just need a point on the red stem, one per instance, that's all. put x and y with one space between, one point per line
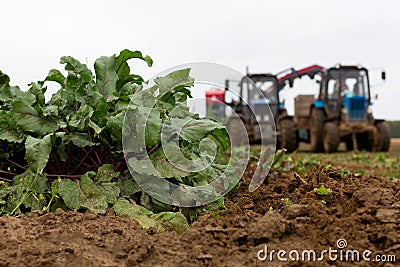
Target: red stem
58 163
66 130
83 160
16 164
120 166
91 158
52 168
64 175
68 163
98 157
9 173
5 179
88 169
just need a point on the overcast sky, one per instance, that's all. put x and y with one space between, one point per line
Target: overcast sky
268 36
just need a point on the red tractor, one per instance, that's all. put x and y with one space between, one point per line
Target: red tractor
215 104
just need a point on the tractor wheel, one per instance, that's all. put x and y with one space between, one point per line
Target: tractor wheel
349 142
365 141
382 139
237 131
317 124
331 139
288 135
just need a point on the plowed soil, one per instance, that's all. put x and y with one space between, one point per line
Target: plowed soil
283 214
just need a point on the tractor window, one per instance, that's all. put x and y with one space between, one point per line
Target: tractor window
333 89
348 87
355 86
362 84
349 82
232 95
268 88
246 87
263 90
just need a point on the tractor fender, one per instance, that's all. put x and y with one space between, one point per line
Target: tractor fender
316 107
376 121
331 119
326 118
318 104
285 117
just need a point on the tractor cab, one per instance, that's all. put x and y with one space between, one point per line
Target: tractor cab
346 88
253 92
261 91
256 103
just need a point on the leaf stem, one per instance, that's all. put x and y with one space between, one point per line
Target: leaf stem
16 164
64 175
58 163
90 157
83 160
66 130
9 173
120 166
87 169
22 201
153 148
98 157
68 163
105 81
5 179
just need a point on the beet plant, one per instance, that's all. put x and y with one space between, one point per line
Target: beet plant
67 152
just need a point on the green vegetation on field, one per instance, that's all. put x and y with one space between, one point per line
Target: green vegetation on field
322 191
394 128
356 162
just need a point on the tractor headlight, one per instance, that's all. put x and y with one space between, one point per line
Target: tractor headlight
369 110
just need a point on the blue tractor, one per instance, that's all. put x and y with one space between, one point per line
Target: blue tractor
341 113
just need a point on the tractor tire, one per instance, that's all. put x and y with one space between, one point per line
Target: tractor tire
348 140
237 132
331 139
317 124
382 139
365 141
288 135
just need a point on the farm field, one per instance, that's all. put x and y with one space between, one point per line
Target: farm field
79 151
308 202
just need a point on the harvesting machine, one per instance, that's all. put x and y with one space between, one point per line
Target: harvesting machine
341 113
256 100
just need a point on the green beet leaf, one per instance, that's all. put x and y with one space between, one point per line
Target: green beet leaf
162 221
106 76
9 129
83 194
37 152
106 173
174 81
122 66
56 76
30 120
77 69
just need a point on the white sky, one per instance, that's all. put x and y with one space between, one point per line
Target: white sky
268 36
